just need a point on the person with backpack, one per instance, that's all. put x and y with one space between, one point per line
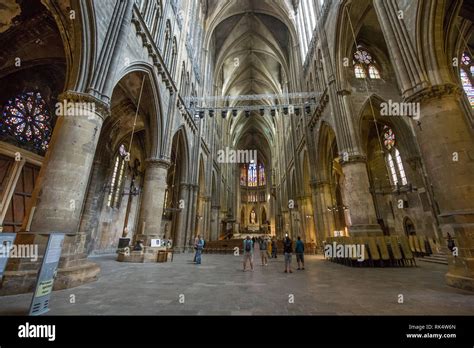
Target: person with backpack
248 252
196 241
263 251
299 250
199 247
288 250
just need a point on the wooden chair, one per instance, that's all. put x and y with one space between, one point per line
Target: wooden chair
383 249
422 245
367 260
373 250
407 253
433 246
395 248
416 242
350 241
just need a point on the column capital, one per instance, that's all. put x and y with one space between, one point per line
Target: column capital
206 198
185 185
157 162
86 101
343 92
350 159
436 91
317 183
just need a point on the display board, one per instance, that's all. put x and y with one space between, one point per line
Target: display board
46 275
6 244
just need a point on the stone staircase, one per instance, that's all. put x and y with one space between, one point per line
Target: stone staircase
440 258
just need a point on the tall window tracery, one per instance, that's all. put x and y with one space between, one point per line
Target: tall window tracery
466 73
365 65
117 179
252 175
393 158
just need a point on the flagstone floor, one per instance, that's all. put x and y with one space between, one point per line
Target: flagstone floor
219 287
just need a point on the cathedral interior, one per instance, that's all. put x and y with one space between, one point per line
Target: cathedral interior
134 126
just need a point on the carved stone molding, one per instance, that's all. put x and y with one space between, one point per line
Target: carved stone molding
315 184
353 159
437 91
157 162
102 109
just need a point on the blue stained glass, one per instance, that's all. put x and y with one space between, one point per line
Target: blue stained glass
27 119
467 76
252 175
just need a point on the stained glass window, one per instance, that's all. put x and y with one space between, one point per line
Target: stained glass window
252 175
364 65
391 166
388 138
115 188
359 71
467 77
394 160
401 170
261 175
27 119
362 56
112 182
374 72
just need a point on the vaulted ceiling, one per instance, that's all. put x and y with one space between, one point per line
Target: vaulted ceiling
251 44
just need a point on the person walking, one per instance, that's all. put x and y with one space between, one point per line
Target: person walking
199 247
274 248
248 252
263 251
299 250
288 250
196 242
451 244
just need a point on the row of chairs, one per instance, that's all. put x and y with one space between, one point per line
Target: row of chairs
378 251
422 246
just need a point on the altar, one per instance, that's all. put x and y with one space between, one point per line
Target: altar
253 228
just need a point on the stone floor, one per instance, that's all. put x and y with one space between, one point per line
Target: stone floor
219 287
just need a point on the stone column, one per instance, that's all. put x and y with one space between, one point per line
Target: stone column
62 183
181 220
447 144
215 222
324 218
59 195
205 223
192 212
357 197
93 203
153 196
